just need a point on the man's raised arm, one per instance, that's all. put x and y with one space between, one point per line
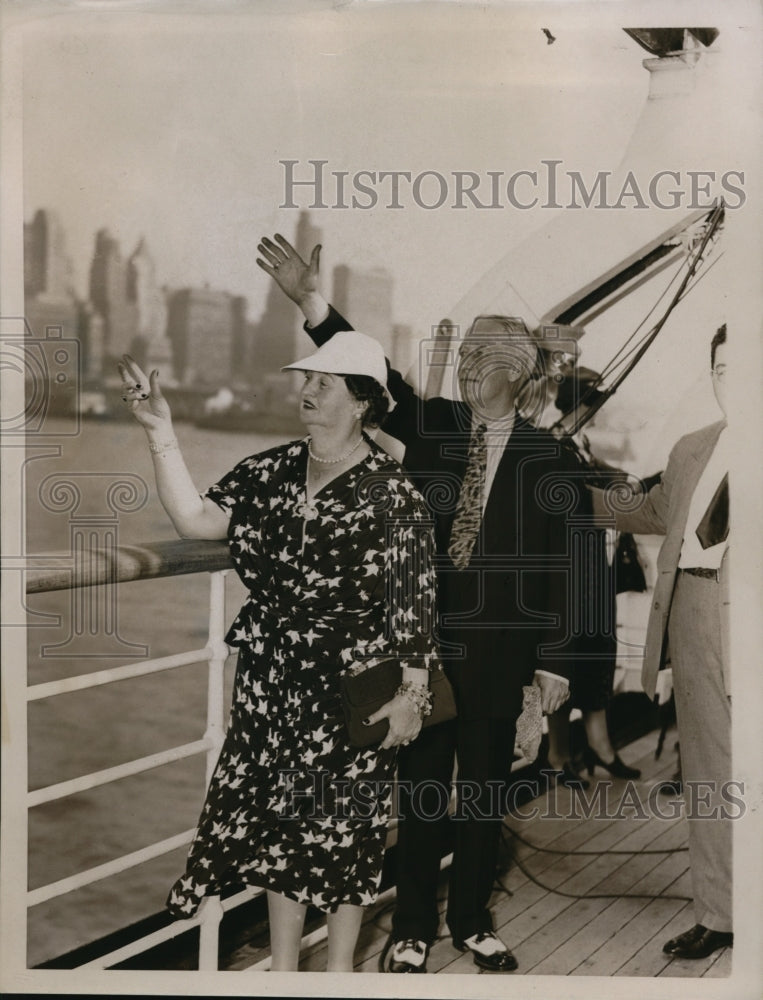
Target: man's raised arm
296 278
299 280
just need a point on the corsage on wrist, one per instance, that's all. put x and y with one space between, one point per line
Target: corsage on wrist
419 695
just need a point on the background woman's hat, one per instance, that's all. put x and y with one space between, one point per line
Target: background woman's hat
578 387
348 353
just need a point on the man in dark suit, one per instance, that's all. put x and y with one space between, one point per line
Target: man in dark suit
689 616
502 494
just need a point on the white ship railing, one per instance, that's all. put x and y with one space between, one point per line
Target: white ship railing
116 565
119 564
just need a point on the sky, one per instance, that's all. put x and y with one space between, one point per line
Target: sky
173 128
169 123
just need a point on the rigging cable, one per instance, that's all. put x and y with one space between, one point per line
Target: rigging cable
637 352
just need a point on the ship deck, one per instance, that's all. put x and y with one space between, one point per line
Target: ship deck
570 913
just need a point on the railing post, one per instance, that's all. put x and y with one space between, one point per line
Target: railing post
212 913
105 565
209 933
218 654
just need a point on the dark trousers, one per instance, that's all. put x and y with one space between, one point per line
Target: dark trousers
484 749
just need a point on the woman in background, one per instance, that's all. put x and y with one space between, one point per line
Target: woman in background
592 678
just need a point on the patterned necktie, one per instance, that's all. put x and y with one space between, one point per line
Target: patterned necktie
466 523
714 526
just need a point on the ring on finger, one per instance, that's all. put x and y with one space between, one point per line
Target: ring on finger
133 392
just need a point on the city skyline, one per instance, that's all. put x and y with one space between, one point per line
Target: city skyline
182 127
128 309
193 163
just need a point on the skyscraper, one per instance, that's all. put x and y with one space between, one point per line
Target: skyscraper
108 293
54 315
278 334
151 347
240 338
47 267
365 298
200 326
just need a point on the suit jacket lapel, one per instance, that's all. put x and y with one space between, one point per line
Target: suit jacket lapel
693 469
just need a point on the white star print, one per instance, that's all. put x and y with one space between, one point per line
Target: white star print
306 618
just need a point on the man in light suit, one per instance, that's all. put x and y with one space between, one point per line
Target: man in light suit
688 622
503 578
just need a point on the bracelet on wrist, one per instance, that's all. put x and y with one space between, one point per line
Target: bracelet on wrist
419 695
160 447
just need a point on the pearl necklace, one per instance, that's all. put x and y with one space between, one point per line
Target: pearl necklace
333 461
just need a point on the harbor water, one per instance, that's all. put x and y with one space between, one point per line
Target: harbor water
74 734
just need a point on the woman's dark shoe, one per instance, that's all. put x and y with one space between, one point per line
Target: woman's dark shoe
673 787
567 776
616 767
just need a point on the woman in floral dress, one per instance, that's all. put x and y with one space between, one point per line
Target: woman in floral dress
334 545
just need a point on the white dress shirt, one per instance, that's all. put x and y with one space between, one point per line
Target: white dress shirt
692 553
497 437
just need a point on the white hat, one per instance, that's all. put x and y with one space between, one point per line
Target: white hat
348 353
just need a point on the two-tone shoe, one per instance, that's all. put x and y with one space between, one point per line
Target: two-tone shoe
409 955
488 951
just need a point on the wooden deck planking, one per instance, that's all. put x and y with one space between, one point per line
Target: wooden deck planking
537 932
648 959
558 935
442 952
246 956
530 920
638 920
643 934
565 834
524 895
598 920
721 966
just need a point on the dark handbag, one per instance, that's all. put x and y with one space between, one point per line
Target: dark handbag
365 692
629 574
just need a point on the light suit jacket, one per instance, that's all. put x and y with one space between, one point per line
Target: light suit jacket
664 511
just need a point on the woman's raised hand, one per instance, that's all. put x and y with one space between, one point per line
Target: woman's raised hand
295 277
143 396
